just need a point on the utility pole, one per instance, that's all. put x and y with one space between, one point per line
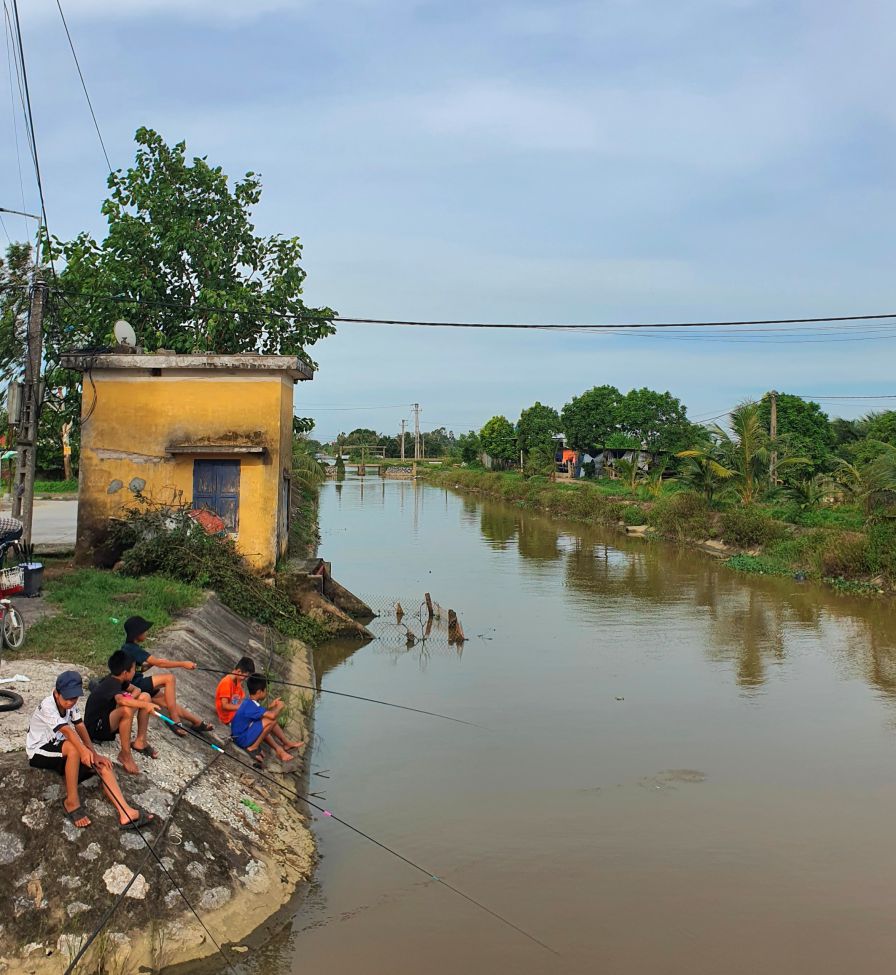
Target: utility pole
403 425
423 446
773 436
416 431
26 441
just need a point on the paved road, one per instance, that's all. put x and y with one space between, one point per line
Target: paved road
54 523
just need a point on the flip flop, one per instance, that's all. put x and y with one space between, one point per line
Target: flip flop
257 759
147 750
177 729
144 819
75 815
203 726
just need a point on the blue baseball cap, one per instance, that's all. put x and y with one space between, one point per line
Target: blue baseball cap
69 684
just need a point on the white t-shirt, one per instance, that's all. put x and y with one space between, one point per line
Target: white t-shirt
44 727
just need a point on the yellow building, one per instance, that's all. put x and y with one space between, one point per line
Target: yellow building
211 431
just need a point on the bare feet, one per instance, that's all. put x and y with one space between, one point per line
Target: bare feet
293 744
128 763
83 820
282 754
127 815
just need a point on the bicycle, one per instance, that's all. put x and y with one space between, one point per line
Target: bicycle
12 582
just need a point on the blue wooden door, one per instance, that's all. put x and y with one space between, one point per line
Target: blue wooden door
216 486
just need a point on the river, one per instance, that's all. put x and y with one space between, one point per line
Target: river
680 769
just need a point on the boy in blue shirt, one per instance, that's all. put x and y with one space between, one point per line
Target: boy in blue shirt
253 724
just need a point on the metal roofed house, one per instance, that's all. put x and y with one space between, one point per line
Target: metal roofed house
211 431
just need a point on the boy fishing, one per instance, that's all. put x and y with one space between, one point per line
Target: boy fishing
58 742
254 725
161 688
229 693
111 708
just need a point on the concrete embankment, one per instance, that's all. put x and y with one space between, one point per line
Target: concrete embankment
236 845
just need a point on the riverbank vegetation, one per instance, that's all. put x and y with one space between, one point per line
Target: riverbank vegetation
817 500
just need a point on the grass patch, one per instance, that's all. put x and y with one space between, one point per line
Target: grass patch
759 565
56 487
90 601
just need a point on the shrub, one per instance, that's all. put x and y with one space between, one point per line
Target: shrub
747 527
882 549
844 555
634 515
682 515
759 565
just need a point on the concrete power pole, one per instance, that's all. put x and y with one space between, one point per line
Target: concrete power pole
773 436
26 443
403 425
416 431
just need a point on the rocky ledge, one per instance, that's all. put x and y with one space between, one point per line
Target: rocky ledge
235 844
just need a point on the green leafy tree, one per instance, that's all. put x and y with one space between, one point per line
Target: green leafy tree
881 426
498 439
16 271
588 420
658 421
469 447
539 462
536 428
180 242
803 428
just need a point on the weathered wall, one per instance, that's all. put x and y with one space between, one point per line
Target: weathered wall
133 417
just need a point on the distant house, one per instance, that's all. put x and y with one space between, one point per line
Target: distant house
211 432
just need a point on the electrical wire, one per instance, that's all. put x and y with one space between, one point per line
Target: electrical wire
96 124
12 100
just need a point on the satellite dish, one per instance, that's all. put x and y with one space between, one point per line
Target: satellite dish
124 334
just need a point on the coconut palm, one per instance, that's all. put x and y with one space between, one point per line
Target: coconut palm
871 485
307 470
704 472
807 493
746 451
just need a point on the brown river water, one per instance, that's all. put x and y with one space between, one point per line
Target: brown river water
681 769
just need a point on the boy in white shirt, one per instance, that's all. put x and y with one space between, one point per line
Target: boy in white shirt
58 741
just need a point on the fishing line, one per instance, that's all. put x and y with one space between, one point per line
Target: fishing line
388 849
150 851
356 697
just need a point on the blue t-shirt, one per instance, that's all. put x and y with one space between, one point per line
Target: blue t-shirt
247 714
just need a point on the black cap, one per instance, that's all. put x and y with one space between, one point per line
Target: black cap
134 626
69 684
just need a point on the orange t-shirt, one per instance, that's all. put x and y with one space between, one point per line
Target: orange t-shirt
229 689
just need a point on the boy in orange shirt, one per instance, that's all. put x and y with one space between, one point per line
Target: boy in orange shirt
230 692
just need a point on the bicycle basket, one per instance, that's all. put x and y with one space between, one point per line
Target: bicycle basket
12 580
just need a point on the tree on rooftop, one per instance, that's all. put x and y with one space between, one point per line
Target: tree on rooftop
181 261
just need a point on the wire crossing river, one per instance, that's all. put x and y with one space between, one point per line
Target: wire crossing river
681 770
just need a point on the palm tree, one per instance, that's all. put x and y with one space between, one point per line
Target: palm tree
704 471
807 492
307 470
746 451
628 470
871 485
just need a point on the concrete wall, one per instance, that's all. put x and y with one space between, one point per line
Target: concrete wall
130 419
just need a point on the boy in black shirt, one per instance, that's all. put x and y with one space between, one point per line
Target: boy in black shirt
111 708
162 688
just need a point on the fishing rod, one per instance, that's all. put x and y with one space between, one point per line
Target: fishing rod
151 852
360 832
356 697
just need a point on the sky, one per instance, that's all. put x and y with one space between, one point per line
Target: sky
553 162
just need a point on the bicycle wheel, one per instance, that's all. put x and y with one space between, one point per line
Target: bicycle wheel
10 701
13 628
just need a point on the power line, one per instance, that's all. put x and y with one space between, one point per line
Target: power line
608 326
96 124
12 98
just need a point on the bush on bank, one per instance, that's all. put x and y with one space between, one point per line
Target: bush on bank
821 544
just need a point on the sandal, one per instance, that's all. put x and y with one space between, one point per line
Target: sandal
257 758
203 726
177 729
144 819
75 815
147 750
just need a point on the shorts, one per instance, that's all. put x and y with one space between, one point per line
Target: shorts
56 762
250 735
100 730
145 683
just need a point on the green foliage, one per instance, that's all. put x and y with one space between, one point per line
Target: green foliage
536 427
882 549
748 527
844 554
539 462
684 515
498 439
15 277
881 426
658 421
803 427
589 419
469 447
632 514
760 565
807 493
93 604
166 541
56 487
702 470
